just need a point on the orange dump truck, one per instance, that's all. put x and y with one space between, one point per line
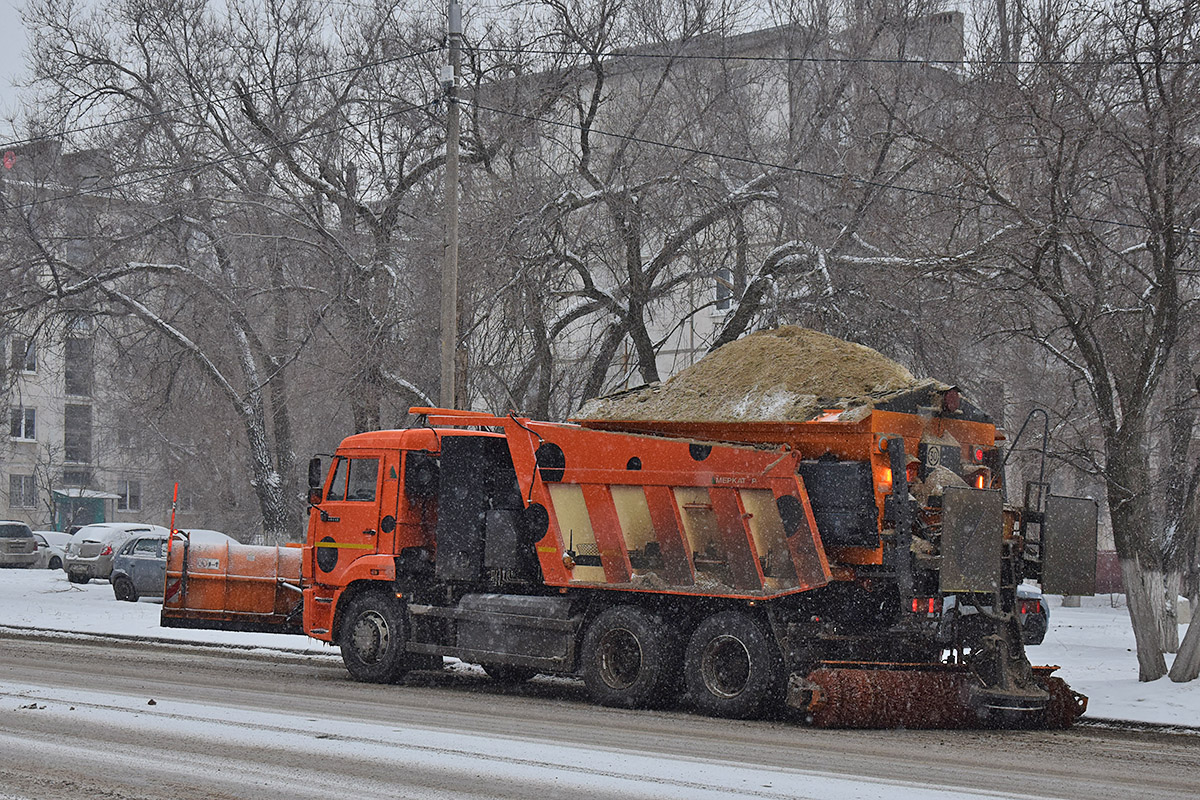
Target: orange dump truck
860 572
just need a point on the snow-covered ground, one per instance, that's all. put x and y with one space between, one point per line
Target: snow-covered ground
1093 644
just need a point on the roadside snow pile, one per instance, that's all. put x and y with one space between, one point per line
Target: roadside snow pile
788 373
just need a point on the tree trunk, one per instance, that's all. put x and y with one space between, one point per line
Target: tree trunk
1187 662
1128 487
1169 621
1139 598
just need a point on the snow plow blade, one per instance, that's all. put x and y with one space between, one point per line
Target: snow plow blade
945 696
233 587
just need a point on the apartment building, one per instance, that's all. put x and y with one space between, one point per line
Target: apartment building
68 459
69 455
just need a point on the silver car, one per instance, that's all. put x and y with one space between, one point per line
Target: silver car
51 549
18 548
90 551
140 567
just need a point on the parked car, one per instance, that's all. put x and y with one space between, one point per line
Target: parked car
18 548
51 549
90 551
1034 614
139 568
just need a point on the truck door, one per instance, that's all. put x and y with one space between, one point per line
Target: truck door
347 524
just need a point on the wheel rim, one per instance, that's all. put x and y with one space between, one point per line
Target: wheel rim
370 637
725 666
620 655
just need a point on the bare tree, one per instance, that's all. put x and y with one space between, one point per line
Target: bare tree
1085 169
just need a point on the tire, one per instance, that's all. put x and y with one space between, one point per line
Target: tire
123 590
629 660
731 666
509 673
55 563
372 636
75 578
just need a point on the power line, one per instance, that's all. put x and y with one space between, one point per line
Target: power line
220 99
782 167
634 54
16 143
213 162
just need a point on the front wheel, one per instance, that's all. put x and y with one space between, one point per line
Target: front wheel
55 563
372 637
730 666
123 590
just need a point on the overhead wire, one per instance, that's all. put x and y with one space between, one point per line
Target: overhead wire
683 56
186 169
792 168
611 54
777 166
17 143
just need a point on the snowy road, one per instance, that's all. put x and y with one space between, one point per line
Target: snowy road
76 721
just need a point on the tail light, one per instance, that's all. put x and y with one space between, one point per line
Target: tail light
1031 606
885 481
977 455
927 605
981 481
107 551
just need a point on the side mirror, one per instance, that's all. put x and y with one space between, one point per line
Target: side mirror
315 473
314 481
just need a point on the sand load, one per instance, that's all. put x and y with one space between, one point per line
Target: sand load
789 373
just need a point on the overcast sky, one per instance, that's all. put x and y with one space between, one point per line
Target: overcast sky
12 63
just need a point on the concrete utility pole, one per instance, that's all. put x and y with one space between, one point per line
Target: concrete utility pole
450 258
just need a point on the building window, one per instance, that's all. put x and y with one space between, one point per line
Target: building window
23 355
130 495
22 424
77 367
77 434
724 289
81 478
22 491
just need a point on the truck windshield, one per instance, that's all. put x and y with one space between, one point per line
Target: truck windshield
354 479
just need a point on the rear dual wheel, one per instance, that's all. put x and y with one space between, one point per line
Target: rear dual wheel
731 666
629 660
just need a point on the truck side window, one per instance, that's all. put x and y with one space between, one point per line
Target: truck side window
364 472
337 487
354 479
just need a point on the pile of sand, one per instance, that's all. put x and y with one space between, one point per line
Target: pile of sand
790 373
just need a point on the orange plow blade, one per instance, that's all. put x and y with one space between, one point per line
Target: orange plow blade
233 587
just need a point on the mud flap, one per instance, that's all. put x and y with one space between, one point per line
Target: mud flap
1069 546
972 540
